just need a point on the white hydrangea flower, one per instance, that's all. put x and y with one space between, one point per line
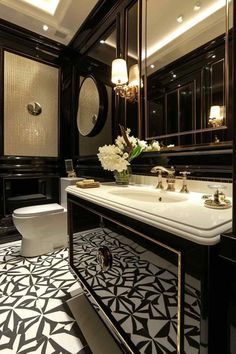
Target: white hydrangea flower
148 148
120 142
115 157
111 158
143 144
133 141
156 146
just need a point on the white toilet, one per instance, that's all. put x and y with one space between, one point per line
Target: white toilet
43 227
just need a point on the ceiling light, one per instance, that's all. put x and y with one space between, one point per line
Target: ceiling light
174 75
102 41
45 27
202 15
152 66
180 19
213 56
197 6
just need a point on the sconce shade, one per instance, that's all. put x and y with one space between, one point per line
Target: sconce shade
134 75
215 112
217 116
119 74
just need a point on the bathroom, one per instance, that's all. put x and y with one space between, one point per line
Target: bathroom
56 65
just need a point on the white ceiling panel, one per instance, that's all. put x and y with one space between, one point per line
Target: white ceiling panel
63 18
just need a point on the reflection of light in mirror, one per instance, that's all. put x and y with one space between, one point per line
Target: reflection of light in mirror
216 116
134 75
113 45
187 25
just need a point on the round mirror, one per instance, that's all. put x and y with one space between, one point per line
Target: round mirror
92 106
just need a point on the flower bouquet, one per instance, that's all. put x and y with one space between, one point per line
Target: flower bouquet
117 157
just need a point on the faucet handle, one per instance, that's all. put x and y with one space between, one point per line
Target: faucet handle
184 188
171 171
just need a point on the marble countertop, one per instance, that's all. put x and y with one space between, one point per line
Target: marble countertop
183 215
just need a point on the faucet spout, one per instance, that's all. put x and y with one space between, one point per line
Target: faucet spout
169 171
170 177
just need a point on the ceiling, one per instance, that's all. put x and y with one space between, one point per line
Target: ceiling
63 19
168 39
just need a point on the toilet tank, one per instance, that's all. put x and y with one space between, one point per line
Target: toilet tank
65 182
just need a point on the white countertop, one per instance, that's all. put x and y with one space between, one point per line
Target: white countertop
186 216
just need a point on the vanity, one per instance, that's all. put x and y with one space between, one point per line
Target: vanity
146 260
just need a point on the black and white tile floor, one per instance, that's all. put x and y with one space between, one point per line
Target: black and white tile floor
34 317
140 290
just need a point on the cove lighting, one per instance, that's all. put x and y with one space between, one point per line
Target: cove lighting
187 25
48 6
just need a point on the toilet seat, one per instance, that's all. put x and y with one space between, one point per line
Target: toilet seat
37 210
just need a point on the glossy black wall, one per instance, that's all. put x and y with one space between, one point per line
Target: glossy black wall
209 160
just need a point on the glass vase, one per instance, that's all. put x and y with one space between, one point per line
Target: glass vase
122 178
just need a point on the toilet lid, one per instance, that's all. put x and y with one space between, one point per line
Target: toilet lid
39 210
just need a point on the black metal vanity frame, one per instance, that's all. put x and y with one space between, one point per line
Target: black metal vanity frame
189 255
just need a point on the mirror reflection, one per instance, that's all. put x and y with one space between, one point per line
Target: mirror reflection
132 62
92 110
187 67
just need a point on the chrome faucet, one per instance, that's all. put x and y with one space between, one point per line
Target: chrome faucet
170 177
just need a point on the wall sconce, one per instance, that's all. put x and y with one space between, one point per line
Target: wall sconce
217 116
119 77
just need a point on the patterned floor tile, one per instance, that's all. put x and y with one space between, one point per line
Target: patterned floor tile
140 290
33 315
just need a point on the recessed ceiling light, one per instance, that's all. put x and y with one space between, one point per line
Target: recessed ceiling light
45 27
197 6
180 18
102 41
152 66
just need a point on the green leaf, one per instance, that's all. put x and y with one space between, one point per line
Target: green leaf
135 152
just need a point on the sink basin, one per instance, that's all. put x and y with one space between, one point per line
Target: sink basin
150 196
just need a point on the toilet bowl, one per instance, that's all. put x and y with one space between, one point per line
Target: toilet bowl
43 227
